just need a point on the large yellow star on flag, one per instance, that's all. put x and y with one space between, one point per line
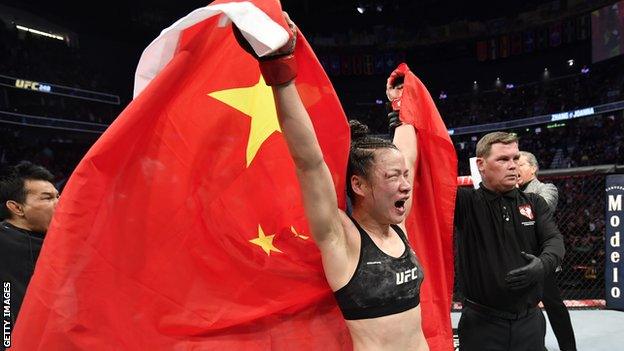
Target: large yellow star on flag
256 102
265 242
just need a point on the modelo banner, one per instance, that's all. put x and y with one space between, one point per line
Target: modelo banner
614 287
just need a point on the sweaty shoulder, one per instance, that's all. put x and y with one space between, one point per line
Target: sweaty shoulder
346 220
340 259
351 234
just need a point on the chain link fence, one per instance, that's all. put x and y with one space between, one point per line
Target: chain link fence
580 216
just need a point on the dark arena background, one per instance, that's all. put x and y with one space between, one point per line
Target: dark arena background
550 71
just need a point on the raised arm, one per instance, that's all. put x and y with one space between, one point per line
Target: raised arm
405 136
319 197
317 187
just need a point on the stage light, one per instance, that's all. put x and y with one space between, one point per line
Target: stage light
379 8
584 70
509 86
38 32
379 102
360 9
443 95
546 74
570 63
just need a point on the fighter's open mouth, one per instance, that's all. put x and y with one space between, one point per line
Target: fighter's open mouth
399 204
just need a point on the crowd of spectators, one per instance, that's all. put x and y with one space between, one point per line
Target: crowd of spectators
603 84
571 143
28 56
31 57
59 153
576 143
55 106
599 84
412 23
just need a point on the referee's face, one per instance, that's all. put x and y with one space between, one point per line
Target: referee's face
499 168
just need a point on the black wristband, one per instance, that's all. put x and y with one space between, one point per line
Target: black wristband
393 121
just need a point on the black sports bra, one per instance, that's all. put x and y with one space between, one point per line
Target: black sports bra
381 285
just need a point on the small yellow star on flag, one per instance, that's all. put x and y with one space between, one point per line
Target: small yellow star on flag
265 242
257 103
297 235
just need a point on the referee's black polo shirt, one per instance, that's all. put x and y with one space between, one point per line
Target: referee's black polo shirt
491 230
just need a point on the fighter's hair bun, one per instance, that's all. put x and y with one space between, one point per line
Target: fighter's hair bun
359 130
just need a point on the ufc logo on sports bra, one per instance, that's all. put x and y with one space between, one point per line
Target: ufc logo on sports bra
404 277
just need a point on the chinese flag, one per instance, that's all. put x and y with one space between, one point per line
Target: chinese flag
430 224
182 228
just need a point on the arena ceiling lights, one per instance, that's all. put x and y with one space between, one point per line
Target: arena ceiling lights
363 6
42 33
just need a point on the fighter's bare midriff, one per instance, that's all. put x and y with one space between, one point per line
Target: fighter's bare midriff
400 331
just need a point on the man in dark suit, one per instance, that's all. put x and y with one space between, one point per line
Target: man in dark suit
506 243
27 202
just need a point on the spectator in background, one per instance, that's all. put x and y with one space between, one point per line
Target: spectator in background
557 311
528 182
27 202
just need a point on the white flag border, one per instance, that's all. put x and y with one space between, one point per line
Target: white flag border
264 35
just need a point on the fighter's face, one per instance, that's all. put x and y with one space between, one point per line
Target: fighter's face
499 169
389 186
526 172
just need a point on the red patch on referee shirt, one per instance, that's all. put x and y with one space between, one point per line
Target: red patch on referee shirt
526 211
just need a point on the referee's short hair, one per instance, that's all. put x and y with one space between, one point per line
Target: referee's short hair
484 146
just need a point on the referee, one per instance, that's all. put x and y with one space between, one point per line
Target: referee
507 242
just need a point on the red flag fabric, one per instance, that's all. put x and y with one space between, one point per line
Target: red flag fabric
430 223
182 228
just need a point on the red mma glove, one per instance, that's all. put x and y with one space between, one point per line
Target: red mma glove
280 67
394 80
